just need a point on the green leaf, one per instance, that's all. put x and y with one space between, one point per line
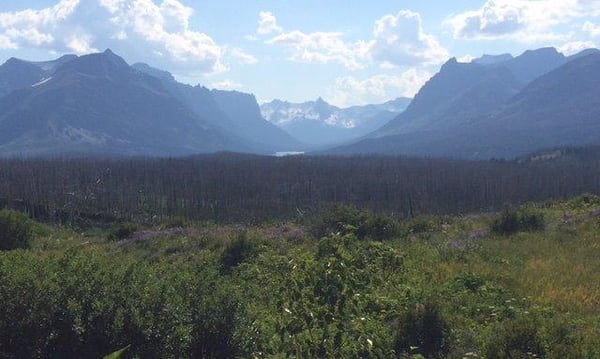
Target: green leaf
117 354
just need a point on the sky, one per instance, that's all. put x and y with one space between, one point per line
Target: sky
349 52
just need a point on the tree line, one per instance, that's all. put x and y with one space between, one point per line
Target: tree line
246 188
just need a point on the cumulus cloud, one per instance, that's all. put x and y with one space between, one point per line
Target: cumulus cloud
591 28
227 85
80 44
523 20
242 56
571 48
34 27
166 28
6 43
349 90
267 23
400 40
322 48
158 30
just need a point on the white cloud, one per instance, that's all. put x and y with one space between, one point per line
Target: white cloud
574 47
32 27
30 36
151 27
400 40
80 44
522 20
267 23
36 18
6 43
166 28
322 48
243 57
227 85
349 90
466 58
591 28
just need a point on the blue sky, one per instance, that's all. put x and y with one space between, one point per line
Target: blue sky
346 51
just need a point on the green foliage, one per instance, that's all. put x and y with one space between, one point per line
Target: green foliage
522 220
122 231
585 201
240 249
423 330
118 354
220 292
327 303
15 230
422 224
517 338
345 219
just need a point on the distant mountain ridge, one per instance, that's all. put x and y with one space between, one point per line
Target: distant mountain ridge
469 110
318 122
497 106
231 111
97 104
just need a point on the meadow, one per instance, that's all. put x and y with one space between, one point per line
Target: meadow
343 283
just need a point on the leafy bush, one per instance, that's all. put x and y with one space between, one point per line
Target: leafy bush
522 220
122 231
328 304
423 330
347 219
15 230
240 249
517 338
422 224
585 200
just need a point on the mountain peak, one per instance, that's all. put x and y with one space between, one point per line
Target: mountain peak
542 51
486 59
106 63
14 61
450 63
152 71
320 101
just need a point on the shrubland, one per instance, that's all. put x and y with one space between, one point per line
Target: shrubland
342 283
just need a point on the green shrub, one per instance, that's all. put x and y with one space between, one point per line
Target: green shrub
584 200
15 230
422 224
517 338
122 231
513 221
423 330
347 219
240 249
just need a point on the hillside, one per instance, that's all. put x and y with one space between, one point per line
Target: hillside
97 104
234 112
484 111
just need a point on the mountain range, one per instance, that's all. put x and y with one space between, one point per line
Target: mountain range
496 107
98 104
320 123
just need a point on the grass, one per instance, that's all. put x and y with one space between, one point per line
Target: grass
479 279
